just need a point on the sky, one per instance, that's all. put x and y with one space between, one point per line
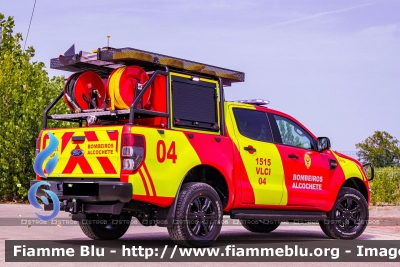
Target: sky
333 65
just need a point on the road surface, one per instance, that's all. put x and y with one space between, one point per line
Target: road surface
15 224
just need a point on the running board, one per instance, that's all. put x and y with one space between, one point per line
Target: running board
285 215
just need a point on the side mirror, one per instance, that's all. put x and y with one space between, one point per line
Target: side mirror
323 143
369 171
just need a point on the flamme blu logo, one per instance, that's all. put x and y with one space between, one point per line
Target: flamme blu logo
44 154
35 203
50 166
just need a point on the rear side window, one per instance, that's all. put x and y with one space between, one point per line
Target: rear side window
253 124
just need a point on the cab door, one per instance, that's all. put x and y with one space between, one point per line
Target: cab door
261 174
307 173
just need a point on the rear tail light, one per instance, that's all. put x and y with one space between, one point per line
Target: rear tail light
132 152
127 151
37 150
37 146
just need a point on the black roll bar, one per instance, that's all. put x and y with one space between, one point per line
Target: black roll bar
144 89
46 111
221 104
168 99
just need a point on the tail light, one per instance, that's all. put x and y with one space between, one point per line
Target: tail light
132 152
37 150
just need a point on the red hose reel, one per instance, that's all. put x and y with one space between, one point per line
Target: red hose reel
87 90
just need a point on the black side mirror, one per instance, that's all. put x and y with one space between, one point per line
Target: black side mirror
323 143
369 171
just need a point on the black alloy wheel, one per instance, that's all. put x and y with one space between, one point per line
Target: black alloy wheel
347 214
198 216
201 216
348 217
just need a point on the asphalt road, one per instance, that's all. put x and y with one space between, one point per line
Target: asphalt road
15 224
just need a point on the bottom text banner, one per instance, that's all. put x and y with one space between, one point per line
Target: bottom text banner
220 251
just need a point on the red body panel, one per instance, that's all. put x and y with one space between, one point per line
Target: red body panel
219 155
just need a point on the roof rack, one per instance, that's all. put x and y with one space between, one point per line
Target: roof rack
105 60
257 102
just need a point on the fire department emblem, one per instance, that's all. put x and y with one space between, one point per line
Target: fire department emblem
307 161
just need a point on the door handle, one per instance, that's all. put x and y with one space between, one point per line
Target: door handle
293 156
250 149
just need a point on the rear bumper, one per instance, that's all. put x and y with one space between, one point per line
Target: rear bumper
87 191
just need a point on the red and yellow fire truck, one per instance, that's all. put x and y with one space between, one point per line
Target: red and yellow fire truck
154 138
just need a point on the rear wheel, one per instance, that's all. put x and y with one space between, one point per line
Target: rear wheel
105 226
260 226
348 217
198 216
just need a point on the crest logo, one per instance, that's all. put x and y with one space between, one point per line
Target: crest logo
307 161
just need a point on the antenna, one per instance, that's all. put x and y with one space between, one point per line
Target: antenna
108 40
30 22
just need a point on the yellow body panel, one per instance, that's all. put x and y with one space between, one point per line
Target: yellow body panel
166 175
104 148
349 167
273 191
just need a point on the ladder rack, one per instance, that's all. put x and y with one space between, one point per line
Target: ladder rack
105 60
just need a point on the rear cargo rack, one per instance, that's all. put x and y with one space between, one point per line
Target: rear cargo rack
111 115
104 61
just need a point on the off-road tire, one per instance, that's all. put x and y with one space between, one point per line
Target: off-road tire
348 217
198 216
104 226
260 226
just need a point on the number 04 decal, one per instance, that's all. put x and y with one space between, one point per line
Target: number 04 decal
163 154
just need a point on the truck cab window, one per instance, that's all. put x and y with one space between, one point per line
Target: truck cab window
253 124
292 134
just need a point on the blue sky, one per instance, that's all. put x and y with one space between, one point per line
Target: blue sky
333 65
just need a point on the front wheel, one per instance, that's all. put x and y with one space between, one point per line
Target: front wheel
105 226
348 217
198 216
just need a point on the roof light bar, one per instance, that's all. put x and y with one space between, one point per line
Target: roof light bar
258 102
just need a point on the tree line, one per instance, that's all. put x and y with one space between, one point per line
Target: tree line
25 91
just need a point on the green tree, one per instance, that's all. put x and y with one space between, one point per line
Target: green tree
385 186
381 149
25 91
